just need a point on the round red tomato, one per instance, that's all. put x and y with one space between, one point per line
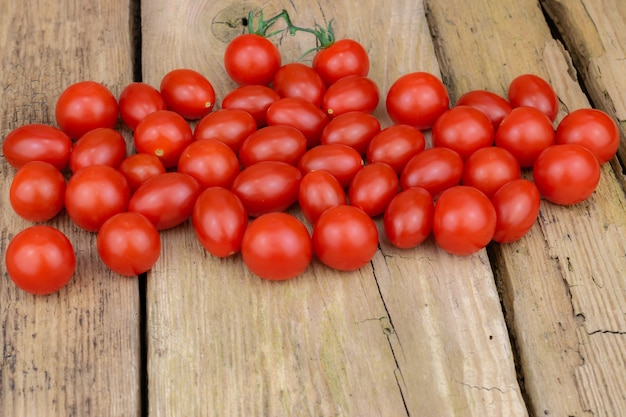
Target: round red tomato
494 106
273 143
37 142
517 206
40 260
37 191
138 100
129 244
301 114
408 219
354 93
253 99
435 169
211 162
464 220
530 90
251 59
276 246
299 81
101 146
319 190
231 126
490 168
395 146
164 134
188 93
463 129
140 167
343 58
342 161
592 129
373 187
355 129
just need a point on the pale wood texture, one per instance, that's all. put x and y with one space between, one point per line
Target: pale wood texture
74 353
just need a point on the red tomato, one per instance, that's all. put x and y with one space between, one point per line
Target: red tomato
345 238
417 99
342 161
435 169
566 174
273 143
231 126
530 90
254 99
276 246
355 129
251 59
164 134
517 206
84 106
494 106
267 186
101 146
219 221
37 142
343 58
299 81
319 190
373 187
395 146
138 100
591 128
188 93
301 114
140 167
354 93
167 200
95 193
40 260
37 191
408 218
525 132
463 129
129 244
464 220
490 168
211 162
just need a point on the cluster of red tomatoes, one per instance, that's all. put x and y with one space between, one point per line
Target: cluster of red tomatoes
293 134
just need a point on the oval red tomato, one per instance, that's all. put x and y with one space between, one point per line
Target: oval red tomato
140 167
138 100
463 129
373 187
395 146
355 129
494 106
517 206
273 143
211 162
319 190
299 81
490 168
530 90
250 59
343 58
301 114
231 126
342 161
164 134
253 99
435 169
348 94
188 93
592 129
101 146
37 191
408 219
37 142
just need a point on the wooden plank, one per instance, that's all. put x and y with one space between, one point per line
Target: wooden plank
74 353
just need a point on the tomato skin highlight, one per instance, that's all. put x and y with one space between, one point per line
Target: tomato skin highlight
408 219
591 128
37 142
188 93
343 58
373 187
37 191
319 190
251 59
342 161
517 205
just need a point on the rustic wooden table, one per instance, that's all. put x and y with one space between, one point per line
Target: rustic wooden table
537 327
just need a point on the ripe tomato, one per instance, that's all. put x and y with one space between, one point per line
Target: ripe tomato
276 246
211 162
494 106
219 221
251 59
231 126
533 91
37 142
342 161
84 106
101 146
188 93
37 191
319 190
591 128
40 260
343 58
129 244
167 199
355 129
463 129
267 186
395 145
164 134
408 218
348 94
417 99
345 238
273 143
490 168
517 206
140 167
138 100
254 99
95 193
373 187
299 81
301 114
435 169
566 174
464 220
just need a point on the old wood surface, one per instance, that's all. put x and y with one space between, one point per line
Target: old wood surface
531 328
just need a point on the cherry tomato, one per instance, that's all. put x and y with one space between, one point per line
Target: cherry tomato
40 260
319 190
395 145
464 220
211 162
408 218
164 134
231 126
517 206
417 99
37 142
533 91
463 129
591 128
188 93
343 58
342 161
354 93
566 174
254 99
301 114
138 100
219 221
267 186
494 106
84 106
299 81
140 167
95 193
490 168
435 169
37 191
276 246
345 238
525 132
373 187
167 200
273 143
355 129
251 59
129 244
101 146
